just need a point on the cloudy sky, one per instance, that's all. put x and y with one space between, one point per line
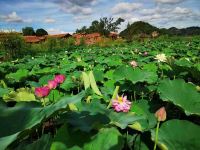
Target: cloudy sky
57 16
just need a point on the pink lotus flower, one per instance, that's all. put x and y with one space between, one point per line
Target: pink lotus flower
42 91
59 78
133 64
121 104
52 84
145 53
161 114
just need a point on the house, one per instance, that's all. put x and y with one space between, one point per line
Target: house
38 39
89 39
60 36
113 35
92 38
34 39
154 34
78 35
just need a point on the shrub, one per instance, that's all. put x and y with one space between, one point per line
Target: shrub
12 43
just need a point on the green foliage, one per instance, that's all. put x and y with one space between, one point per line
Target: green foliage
181 94
41 32
22 94
27 116
19 75
28 31
79 113
178 134
12 43
104 26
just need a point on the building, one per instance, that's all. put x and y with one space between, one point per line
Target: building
38 39
60 36
88 39
113 35
154 34
34 39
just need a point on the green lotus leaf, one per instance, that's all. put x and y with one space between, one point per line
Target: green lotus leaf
142 107
21 119
44 79
121 120
71 137
68 84
138 75
105 139
4 91
19 75
135 75
181 94
183 63
178 135
42 143
22 94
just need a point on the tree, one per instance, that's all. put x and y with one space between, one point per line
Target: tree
82 30
28 31
41 32
104 26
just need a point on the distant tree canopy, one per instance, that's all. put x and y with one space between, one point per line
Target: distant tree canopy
41 32
28 31
104 26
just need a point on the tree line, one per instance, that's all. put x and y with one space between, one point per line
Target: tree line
106 25
29 31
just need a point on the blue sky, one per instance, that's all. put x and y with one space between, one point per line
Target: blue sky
58 16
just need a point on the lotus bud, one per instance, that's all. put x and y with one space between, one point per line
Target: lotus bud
59 78
145 53
133 64
52 84
42 91
161 114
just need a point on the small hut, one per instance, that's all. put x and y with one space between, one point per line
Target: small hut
154 34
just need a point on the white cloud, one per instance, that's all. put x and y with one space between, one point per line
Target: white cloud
161 15
81 18
169 1
7 30
28 20
55 31
12 17
125 7
76 10
49 20
179 10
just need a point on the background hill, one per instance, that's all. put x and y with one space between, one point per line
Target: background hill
143 28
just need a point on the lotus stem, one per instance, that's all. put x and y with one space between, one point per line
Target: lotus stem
156 137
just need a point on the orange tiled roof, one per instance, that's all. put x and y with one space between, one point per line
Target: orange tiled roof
33 39
59 35
78 35
92 35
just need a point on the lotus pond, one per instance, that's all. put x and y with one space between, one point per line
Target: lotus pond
142 96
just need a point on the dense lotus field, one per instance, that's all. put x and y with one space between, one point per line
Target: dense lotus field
141 96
